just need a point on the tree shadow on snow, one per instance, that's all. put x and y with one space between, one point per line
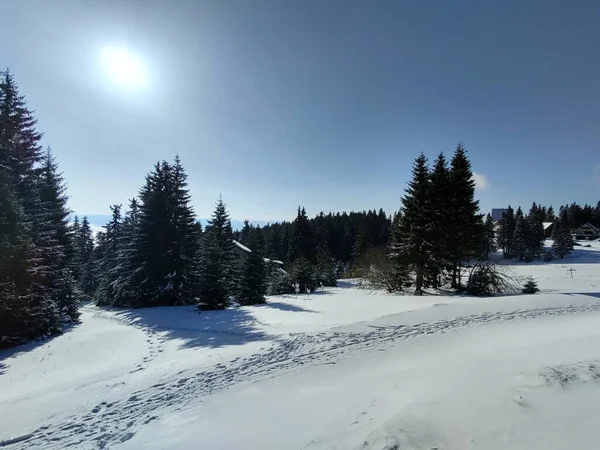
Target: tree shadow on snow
287 307
589 294
211 329
13 352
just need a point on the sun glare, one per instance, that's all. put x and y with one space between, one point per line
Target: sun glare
123 67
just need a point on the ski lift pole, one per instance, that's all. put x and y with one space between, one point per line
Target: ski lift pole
571 270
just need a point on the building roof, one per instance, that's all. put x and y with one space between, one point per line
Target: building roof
547 225
247 250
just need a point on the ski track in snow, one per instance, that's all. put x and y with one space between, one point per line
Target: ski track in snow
109 424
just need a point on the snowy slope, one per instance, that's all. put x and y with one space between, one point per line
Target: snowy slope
345 369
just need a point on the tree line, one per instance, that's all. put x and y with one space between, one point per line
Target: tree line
155 252
38 293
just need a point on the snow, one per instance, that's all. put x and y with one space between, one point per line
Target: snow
243 247
346 368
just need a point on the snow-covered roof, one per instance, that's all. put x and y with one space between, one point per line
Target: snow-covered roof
243 247
547 225
267 260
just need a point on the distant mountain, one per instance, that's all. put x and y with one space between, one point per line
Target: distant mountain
99 220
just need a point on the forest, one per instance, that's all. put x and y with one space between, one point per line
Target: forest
154 251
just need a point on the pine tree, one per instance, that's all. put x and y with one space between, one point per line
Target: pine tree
506 231
84 259
464 211
488 245
562 236
535 238
440 196
184 277
107 265
550 216
412 247
219 268
157 256
54 238
253 286
520 236
301 244
245 233
27 306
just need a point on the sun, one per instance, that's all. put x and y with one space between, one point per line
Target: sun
123 67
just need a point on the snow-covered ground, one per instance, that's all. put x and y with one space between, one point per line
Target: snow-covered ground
344 369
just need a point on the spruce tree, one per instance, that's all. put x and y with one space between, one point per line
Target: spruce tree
488 238
218 263
412 247
84 259
107 264
464 210
506 231
519 245
562 236
54 239
245 233
253 286
535 244
157 257
440 196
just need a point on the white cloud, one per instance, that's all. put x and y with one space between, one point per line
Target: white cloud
481 181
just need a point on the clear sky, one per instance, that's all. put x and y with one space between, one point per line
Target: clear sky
320 103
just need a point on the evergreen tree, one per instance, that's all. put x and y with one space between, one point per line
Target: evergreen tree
488 238
506 231
301 243
520 246
84 259
157 255
245 233
535 238
218 262
253 286
463 209
550 216
412 246
54 239
441 196
562 236
107 264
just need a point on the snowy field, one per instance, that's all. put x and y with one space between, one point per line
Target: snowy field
344 369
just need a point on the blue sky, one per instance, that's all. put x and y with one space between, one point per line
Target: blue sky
325 104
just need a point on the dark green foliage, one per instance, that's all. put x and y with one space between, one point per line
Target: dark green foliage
153 256
562 236
253 285
506 232
463 209
212 290
412 246
487 279
108 246
218 265
530 287
301 243
488 238
302 272
36 282
519 241
442 222
54 239
84 259
279 283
